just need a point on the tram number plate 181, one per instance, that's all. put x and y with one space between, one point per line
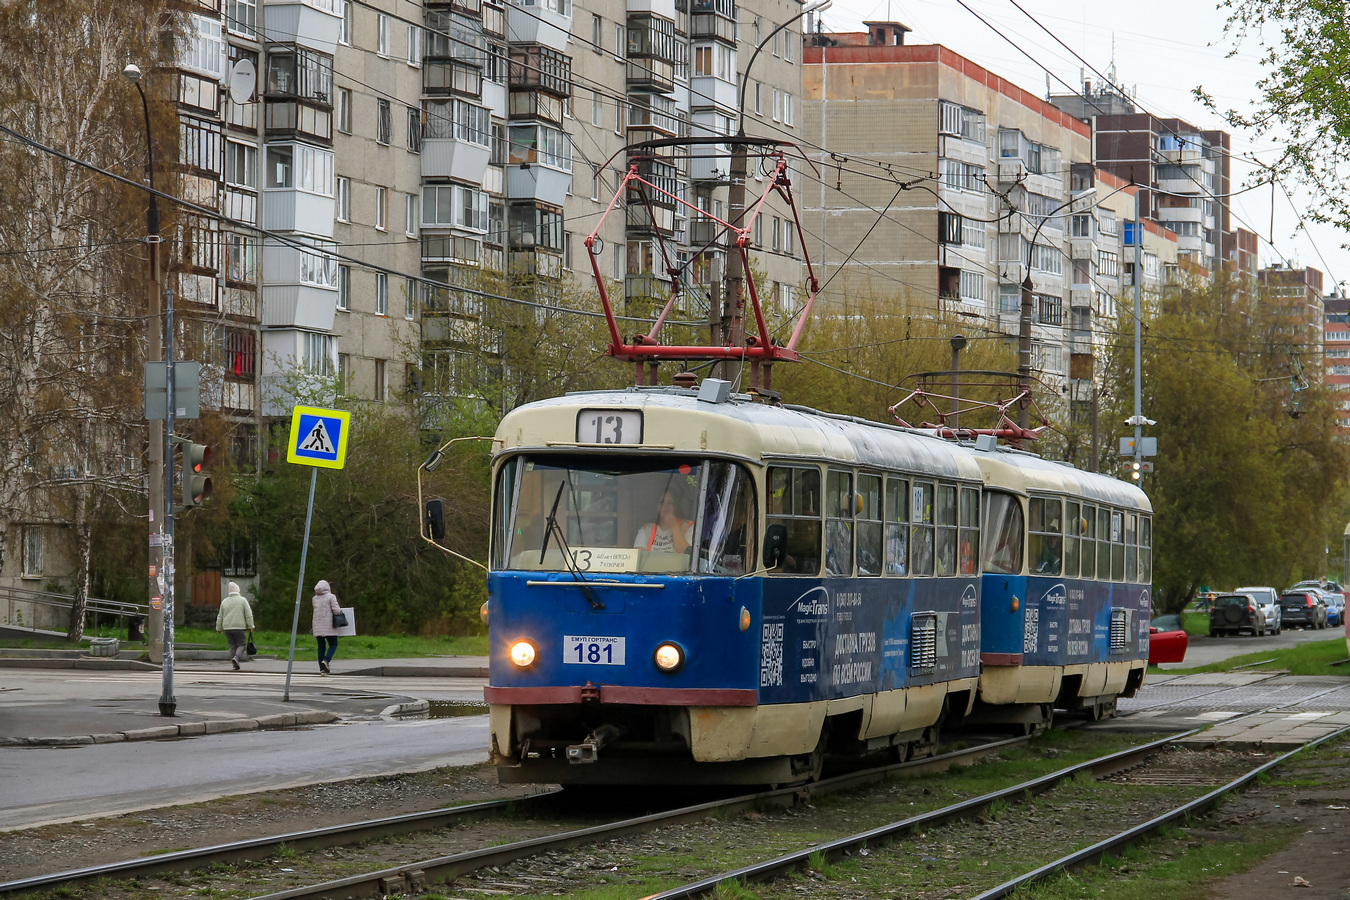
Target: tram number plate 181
595 651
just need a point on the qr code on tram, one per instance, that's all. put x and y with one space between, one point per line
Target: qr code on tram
1031 637
771 656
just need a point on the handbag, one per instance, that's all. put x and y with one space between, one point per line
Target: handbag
339 620
249 648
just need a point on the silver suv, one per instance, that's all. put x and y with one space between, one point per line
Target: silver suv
1268 601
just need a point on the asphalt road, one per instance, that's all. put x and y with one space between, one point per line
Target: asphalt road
50 784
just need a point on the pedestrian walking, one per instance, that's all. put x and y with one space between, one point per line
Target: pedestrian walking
235 618
325 624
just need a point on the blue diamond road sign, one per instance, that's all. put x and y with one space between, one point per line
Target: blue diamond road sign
318 437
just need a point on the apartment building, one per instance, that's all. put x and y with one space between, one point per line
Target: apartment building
1336 344
1014 192
1296 295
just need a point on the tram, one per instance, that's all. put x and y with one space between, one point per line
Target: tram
690 586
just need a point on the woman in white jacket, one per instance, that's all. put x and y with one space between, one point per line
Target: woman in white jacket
325 605
235 619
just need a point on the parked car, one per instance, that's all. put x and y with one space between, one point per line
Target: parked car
1268 599
1236 613
1305 607
1335 609
1167 640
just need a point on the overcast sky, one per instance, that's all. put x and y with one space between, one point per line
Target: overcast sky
1165 48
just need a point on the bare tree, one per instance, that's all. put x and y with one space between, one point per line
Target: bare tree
72 247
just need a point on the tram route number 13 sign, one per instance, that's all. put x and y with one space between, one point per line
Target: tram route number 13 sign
609 426
592 650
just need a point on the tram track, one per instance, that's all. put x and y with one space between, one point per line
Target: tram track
407 877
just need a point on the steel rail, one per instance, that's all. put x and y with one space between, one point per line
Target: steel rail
262 848
415 876
1139 833
772 868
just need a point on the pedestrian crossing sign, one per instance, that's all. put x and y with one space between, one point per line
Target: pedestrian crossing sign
318 437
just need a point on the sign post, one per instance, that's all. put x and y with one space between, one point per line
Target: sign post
319 440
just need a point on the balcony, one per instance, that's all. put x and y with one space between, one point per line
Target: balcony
456 140
453 158
315 24
546 22
541 68
1082 248
299 287
441 76
538 182
293 210
655 75
705 26
704 233
294 118
660 219
711 169
708 90
1187 155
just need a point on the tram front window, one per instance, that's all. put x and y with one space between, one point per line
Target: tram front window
634 515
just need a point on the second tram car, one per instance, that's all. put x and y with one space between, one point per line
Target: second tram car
690 588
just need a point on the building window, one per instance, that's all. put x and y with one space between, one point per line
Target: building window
409 298
242 16
32 551
597 110
241 258
789 116
777 104
317 353
381 294
788 242
410 215
300 166
759 100
596 34
384 122
205 48
454 205
344 372
414 45
240 354
620 38
344 300
414 129
344 199
344 110
241 165
789 46
318 266
345 32
381 383
382 46
972 287
382 208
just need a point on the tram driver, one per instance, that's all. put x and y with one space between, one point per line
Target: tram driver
669 533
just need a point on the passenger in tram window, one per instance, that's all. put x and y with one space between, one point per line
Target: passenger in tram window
967 555
1049 562
897 548
669 533
839 548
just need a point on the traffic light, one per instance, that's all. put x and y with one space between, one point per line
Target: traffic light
1139 468
435 519
195 483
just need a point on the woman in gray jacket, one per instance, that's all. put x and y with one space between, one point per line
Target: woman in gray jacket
235 619
325 605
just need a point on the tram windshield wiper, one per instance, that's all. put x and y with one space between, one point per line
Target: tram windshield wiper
553 528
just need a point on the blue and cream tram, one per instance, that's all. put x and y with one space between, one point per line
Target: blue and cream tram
684 591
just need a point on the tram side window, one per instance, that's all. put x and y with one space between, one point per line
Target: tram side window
1103 543
946 530
1117 545
1003 532
1088 526
1145 550
897 526
504 513
970 530
1046 529
1073 533
840 503
794 503
1131 560
921 515
727 542
869 525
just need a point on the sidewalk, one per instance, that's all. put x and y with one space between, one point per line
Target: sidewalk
68 698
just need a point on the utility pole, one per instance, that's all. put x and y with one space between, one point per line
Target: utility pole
154 349
958 342
1024 347
1138 330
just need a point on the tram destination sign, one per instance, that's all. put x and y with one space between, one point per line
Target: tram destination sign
609 426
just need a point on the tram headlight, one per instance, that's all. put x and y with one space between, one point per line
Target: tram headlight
483 612
745 619
1016 604
522 654
669 657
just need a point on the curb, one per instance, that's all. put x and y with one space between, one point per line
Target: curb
103 663
420 671
405 709
185 729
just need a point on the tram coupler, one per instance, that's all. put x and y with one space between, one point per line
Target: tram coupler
588 751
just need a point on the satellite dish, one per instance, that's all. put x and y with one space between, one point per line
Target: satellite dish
243 81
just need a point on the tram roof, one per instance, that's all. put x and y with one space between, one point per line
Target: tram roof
763 431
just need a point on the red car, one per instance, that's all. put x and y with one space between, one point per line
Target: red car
1167 640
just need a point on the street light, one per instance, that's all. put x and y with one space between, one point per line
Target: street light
735 273
160 487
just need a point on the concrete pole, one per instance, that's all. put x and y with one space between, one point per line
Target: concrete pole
1138 330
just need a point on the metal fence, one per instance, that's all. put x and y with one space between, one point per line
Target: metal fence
49 611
